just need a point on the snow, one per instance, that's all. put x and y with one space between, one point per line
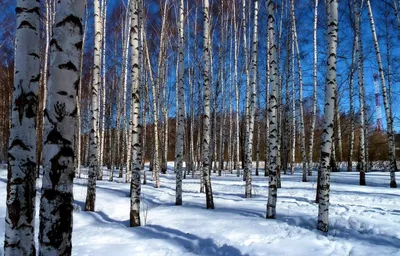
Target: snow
363 220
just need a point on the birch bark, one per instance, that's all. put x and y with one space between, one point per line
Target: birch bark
327 136
21 183
181 111
273 140
94 134
56 204
206 114
388 111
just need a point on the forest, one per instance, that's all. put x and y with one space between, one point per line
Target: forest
147 118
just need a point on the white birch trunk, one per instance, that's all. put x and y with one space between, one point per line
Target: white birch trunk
315 79
338 132
21 183
135 108
155 86
78 131
300 72
103 86
267 93
56 205
181 111
251 107
273 140
206 114
361 93
122 102
388 111
327 136
351 99
247 97
94 135
396 13
237 97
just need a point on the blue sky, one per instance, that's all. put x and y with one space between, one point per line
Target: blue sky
304 19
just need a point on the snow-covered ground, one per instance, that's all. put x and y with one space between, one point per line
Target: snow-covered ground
363 220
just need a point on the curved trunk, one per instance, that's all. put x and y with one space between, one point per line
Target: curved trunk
388 111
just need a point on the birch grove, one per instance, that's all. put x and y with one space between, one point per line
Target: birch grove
154 99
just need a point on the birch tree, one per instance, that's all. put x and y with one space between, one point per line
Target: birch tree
78 132
361 90
351 99
103 86
273 140
21 183
44 76
327 135
246 68
155 86
250 108
301 110
236 83
181 110
135 108
121 106
56 204
388 111
315 83
206 114
94 134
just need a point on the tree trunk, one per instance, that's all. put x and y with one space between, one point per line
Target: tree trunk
21 183
181 110
361 90
273 140
327 136
251 107
206 114
135 108
78 131
94 135
56 205
103 87
315 78
388 111
302 132
237 97
352 123
247 97
155 86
